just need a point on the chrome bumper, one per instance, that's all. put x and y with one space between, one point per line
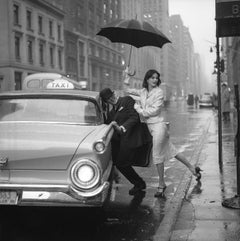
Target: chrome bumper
57 195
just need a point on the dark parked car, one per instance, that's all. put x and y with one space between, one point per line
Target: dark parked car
190 99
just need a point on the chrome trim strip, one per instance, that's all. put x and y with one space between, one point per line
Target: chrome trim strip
45 187
55 188
51 122
76 193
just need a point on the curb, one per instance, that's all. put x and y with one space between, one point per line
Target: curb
173 205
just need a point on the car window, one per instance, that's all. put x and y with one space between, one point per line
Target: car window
33 84
49 110
38 83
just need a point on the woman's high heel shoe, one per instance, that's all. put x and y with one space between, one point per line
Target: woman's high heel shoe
198 174
160 192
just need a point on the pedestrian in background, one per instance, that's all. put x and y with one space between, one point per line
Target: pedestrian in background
126 139
196 99
149 108
225 102
215 101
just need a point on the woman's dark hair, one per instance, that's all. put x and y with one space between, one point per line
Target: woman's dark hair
148 75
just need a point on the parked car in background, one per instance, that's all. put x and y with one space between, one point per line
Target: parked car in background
205 100
55 149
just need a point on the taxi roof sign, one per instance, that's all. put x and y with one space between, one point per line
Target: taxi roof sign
60 84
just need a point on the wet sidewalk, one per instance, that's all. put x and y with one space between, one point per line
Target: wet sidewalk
202 216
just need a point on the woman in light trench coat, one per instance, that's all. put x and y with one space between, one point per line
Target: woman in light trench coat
149 108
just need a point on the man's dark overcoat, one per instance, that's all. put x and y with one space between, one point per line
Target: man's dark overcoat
136 135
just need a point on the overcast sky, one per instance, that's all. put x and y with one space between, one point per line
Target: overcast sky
199 17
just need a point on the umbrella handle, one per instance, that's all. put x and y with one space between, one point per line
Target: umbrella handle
129 59
131 74
128 75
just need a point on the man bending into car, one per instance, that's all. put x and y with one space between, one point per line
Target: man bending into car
125 139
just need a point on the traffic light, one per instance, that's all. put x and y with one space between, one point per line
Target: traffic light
221 65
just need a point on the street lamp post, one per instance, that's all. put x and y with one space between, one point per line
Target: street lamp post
219 105
218 72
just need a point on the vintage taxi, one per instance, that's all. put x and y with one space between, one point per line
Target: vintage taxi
55 149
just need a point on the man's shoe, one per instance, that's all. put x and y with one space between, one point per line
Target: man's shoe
137 188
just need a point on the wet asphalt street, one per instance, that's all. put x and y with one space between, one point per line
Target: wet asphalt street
126 217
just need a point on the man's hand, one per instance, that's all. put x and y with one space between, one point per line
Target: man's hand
117 128
138 108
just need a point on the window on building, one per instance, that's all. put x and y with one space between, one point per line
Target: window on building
81 4
81 26
40 24
81 68
18 80
92 49
79 11
17 47
91 27
71 47
100 52
99 19
60 58
111 13
41 53
114 58
104 8
30 51
59 32
107 55
16 14
29 20
94 71
91 10
71 64
51 28
51 53
119 60
81 48
1 81
94 86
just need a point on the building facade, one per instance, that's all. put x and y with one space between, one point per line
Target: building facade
31 40
92 59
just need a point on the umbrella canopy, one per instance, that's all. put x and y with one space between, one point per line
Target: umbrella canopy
134 32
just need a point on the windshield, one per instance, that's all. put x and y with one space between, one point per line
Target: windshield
49 110
206 97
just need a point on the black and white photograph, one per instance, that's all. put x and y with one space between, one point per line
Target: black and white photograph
119 120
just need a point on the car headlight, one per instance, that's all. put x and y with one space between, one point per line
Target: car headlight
85 174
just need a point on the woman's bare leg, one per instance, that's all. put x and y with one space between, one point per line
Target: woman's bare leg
160 169
180 157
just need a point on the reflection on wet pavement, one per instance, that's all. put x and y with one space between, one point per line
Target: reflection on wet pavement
135 221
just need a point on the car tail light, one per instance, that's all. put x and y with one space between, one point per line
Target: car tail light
99 146
85 174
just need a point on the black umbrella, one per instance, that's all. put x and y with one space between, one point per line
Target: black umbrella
135 33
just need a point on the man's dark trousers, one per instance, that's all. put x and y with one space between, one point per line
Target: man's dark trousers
122 157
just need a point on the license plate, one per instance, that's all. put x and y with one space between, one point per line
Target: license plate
8 198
